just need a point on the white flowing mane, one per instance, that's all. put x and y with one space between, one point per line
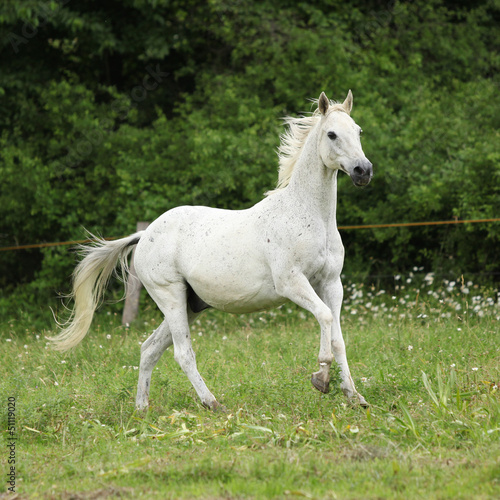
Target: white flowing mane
293 139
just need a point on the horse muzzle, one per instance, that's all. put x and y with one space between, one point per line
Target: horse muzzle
362 173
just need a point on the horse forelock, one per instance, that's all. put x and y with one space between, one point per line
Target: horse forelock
293 140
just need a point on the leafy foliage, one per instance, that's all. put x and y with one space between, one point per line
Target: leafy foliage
113 112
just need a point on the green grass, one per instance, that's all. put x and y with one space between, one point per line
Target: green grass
427 361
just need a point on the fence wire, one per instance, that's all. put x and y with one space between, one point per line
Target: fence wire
366 226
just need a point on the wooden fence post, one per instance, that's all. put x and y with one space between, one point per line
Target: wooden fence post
131 308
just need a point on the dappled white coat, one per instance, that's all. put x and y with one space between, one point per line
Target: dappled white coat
287 247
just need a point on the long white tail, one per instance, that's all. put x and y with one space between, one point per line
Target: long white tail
90 279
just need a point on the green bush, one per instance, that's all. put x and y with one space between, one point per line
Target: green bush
113 113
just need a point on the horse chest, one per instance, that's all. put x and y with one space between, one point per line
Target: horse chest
311 248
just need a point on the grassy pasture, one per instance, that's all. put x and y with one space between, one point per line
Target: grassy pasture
425 357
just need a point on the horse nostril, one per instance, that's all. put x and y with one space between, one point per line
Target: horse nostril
359 171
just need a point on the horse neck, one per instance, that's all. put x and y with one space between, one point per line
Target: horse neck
313 184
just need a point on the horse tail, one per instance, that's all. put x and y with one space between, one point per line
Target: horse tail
90 279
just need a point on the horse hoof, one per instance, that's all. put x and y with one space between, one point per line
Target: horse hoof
359 400
216 407
320 384
362 402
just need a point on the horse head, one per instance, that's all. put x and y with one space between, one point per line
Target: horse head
340 141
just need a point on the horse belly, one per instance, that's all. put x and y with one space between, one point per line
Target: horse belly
234 286
230 274
239 301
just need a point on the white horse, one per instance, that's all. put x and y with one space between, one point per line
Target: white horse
286 247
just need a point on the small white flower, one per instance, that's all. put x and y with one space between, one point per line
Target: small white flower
108 336
63 361
410 347
56 383
459 329
452 365
475 369
225 337
8 340
200 334
364 380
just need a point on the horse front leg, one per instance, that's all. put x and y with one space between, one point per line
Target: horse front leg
296 287
332 294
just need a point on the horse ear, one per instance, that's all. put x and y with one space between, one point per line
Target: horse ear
348 103
323 103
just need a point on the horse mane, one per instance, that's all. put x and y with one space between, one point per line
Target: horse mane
293 139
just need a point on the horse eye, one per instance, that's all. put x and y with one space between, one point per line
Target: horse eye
360 132
332 135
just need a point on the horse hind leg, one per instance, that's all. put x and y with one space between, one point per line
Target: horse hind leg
151 351
172 301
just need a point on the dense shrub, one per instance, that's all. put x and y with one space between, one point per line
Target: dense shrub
113 112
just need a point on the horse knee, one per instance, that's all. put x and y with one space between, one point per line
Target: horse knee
325 317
